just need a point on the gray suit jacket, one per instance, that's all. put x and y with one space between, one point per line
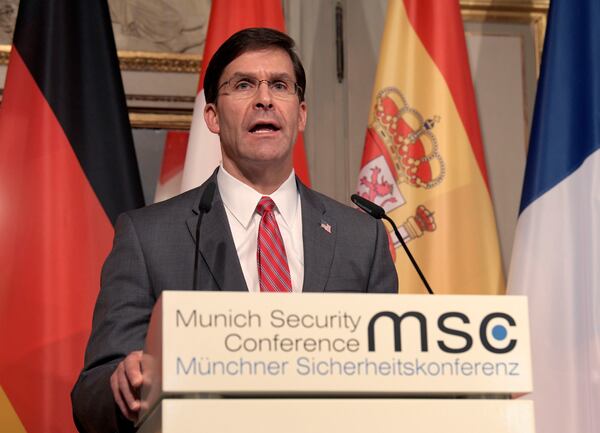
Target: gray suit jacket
153 251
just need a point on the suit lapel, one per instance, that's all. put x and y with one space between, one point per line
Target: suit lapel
318 235
217 248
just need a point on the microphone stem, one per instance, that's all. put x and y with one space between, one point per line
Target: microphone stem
196 252
408 253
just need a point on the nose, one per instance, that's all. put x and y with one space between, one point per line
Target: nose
263 97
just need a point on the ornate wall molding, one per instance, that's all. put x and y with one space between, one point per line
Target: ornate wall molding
159 62
533 12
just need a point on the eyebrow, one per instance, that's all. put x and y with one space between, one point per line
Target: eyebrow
273 76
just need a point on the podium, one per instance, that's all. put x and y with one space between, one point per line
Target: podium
227 362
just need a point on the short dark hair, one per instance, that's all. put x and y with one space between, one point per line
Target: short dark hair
252 39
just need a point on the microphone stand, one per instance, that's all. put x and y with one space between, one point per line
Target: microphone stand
204 207
377 212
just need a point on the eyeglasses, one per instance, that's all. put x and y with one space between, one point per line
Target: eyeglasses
247 87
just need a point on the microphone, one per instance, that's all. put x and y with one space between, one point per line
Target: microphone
369 207
204 207
377 212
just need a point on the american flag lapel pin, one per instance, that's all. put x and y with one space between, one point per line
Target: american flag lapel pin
326 226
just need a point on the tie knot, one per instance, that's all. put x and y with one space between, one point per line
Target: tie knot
265 205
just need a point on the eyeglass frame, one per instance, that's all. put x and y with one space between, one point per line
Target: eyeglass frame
297 88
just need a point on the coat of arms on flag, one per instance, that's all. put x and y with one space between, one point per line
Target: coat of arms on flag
405 153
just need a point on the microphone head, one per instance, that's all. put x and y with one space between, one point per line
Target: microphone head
368 206
207 198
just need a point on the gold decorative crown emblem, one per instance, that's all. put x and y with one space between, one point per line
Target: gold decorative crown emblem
409 139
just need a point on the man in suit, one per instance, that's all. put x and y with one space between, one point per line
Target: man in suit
265 231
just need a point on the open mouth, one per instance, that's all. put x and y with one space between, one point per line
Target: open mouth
263 127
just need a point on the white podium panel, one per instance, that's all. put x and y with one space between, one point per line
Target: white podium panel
340 415
311 344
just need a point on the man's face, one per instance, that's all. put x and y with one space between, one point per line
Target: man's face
259 130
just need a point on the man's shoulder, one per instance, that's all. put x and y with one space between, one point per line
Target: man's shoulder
176 208
342 213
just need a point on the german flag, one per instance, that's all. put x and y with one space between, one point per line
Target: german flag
423 160
67 169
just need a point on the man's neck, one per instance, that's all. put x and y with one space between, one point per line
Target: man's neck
264 179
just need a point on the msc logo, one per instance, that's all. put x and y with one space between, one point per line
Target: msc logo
499 332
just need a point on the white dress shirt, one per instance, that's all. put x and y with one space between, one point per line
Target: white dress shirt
240 202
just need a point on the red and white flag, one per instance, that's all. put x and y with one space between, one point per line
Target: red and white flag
203 153
171 170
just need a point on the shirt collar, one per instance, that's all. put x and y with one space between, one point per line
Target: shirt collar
241 199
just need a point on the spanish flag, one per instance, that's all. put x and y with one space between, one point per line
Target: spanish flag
423 160
67 169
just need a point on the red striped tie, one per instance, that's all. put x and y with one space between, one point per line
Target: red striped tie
273 270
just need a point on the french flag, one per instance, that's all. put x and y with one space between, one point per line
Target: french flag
556 254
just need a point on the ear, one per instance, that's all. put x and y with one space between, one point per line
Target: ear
302 116
211 117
